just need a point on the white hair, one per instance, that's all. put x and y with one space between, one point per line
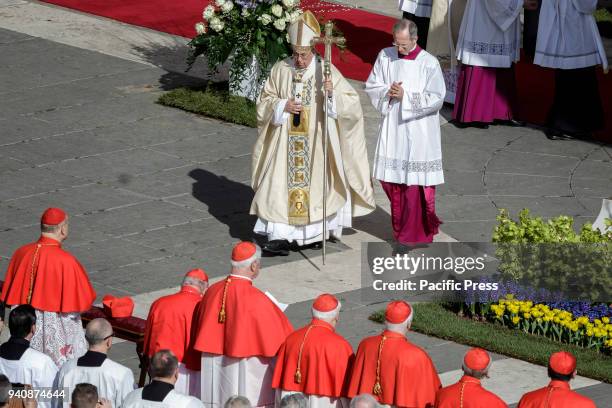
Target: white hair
193 281
400 327
364 399
327 315
247 262
475 373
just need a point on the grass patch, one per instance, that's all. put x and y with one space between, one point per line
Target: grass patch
603 15
434 320
213 101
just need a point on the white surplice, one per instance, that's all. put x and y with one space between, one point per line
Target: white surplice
315 401
409 147
568 37
33 368
113 380
172 400
490 34
188 381
310 233
420 8
223 377
59 335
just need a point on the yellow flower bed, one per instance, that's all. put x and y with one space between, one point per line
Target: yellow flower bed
559 325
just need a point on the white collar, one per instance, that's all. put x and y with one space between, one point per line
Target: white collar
241 277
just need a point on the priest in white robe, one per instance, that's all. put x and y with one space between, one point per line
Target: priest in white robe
419 12
568 40
160 392
113 380
407 87
287 171
21 363
488 46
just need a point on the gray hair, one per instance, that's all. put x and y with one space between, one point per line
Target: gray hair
97 331
247 262
237 401
296 400
476 373
364 401
405 24
198 283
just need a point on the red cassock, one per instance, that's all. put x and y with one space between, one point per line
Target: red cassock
557 394
407 377
253 325
325 361
468 393
169 326
47 277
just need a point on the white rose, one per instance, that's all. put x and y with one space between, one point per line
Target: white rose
288 3
265 19
277 10
280 24
245 12
219 3
292 17
227 6
200 28
217 27
215 21
208 13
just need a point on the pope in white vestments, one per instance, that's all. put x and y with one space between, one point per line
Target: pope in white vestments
21 363
407 87
287 171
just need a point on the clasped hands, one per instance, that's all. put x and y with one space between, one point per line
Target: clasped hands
296 107
396 91
530 4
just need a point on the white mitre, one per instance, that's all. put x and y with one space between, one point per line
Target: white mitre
303 30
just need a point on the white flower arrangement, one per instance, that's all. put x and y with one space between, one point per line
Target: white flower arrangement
280 24
220 3
277 10
227 6
209 12
216 24
200 28
289 3
245 12
265 19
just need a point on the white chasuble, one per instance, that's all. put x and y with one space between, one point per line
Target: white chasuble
568 37
490 34
409 146
287 172
223 377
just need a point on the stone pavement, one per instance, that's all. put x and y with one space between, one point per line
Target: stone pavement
154 191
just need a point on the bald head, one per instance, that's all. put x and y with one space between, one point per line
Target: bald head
99 334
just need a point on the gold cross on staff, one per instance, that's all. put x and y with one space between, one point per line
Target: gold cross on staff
328 40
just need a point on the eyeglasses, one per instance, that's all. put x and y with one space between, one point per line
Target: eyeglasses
401 45
109 336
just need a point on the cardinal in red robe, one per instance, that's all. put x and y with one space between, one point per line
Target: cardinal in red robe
315 360
52 280
238 330
391 368
169 328
468 392
557 394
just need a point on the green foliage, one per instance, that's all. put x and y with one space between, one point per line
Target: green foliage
603 15
213 101
434 320
551 255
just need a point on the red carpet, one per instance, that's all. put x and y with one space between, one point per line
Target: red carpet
366 34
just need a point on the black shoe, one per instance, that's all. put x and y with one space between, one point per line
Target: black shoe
464 125
553 134
511 123
276 247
